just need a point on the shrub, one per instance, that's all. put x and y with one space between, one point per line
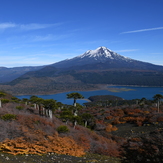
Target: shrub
8 117
15 99
4 101
62 129
19 107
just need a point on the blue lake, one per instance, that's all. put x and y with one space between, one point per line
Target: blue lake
126 92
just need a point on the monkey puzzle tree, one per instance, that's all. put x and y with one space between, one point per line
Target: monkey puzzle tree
158 98
86 117
75 96
37 103
49 104
66 115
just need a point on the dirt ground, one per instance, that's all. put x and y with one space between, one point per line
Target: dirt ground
56 158
131 130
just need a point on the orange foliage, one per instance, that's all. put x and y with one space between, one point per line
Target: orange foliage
84 142
137 120
146 112
137 111
109 117
52 144
128 119
135 139
110 128
116 121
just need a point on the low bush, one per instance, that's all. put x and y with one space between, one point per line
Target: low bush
19 107
7 117
62 129
4 101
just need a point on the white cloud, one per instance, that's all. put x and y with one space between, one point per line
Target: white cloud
49 37
143 30
35 26
32 26
7 25
43 38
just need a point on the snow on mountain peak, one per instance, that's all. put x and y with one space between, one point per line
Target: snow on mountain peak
101 52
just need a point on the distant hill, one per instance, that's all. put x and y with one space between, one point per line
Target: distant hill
87 72
9 74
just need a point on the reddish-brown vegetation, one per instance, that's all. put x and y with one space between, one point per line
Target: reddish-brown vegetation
52 144
24 131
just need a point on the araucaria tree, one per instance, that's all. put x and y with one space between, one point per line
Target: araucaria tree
86 117
75 96
158 98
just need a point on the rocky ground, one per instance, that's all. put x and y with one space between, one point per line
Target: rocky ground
56 158
131 130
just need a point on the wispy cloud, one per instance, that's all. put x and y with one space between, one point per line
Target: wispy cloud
32 26
43 38
49 37
143 30
7 25
35 26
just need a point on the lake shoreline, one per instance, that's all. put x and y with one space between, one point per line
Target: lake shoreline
97 88
125 92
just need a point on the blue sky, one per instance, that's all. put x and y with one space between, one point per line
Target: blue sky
41 32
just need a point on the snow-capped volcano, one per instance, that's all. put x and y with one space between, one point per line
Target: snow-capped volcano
99 55
102 53
99 52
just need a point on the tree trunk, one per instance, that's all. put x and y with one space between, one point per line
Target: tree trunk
86 123
43 111
35 106
158 106
75 123
75 113
50 114
74 103
47 112
66 121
